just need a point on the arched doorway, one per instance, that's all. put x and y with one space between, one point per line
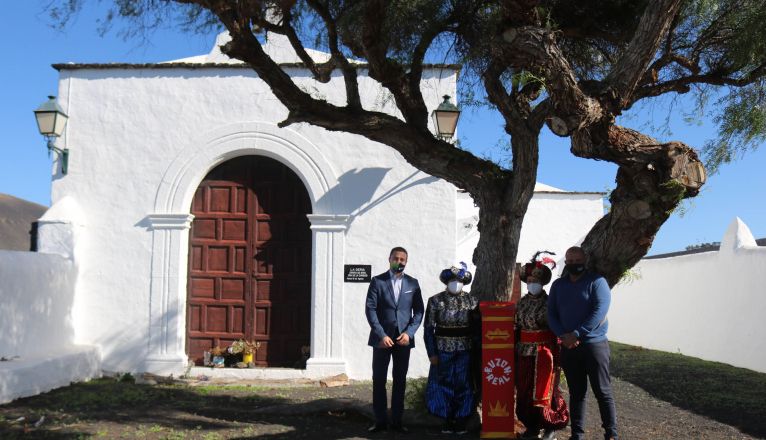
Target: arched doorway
250 262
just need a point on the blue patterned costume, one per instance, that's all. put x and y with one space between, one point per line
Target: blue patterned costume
451 333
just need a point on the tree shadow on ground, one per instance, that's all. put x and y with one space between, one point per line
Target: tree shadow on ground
108 402
730 395
108 408
345 425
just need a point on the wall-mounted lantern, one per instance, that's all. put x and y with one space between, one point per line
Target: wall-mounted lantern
445 118
51 121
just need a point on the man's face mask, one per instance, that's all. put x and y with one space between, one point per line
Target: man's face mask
575 268
454 286
397 267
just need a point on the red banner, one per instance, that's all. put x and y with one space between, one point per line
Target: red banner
497 355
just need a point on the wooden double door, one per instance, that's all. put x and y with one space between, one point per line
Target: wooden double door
250 262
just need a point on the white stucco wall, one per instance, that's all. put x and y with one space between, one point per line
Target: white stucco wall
708 305
141 140
38 288
129 127
37 292
555 220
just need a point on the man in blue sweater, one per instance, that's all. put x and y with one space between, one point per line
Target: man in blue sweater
577 308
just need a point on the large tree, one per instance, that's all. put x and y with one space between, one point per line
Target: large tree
573 66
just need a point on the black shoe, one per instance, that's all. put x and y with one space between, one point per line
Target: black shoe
378 427
549 434
460 427
401 429
449 427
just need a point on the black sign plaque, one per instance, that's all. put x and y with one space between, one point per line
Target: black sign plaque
357 273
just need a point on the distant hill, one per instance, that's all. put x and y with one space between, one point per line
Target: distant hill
16 217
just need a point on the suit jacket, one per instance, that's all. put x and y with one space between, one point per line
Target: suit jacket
386 316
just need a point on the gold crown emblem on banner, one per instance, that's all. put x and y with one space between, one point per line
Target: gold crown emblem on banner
498 410
497 334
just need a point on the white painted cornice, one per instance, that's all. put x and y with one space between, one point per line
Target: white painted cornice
169 221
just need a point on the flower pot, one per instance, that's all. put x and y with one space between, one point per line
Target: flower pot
247 358
218 361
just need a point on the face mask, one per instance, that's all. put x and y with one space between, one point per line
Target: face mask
574 269
397 267
454 287
534 288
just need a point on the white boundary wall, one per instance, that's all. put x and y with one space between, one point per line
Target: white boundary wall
708 305
37 292
36 303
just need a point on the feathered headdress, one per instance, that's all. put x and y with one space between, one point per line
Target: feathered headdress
540 267
457 272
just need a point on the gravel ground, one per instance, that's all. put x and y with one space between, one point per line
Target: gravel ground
642 417
288 411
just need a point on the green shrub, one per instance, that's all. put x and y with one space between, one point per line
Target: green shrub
415 397
128 378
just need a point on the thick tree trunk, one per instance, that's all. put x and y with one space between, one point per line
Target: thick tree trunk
652 180
623 236
502 207
495 254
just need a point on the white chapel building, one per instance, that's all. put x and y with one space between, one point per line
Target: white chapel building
193 220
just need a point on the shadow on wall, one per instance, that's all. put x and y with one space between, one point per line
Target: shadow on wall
37 292
124 349
358 187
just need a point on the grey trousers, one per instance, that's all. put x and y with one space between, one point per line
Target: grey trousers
589 362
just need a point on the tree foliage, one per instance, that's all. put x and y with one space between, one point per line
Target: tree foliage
573 66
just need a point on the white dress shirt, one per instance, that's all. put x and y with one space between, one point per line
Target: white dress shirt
396 283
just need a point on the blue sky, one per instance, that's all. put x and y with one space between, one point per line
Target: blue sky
29 46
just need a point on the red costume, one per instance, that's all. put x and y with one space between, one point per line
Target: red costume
539 404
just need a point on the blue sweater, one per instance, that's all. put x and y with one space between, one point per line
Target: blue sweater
580 307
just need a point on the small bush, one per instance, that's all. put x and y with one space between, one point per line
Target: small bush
415 396
127 378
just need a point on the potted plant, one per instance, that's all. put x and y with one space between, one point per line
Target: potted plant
218 359
247 348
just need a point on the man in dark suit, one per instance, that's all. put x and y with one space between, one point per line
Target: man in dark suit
394 309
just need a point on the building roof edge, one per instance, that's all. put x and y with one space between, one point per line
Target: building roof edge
189 65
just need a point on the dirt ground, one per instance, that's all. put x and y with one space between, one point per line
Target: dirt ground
111 409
